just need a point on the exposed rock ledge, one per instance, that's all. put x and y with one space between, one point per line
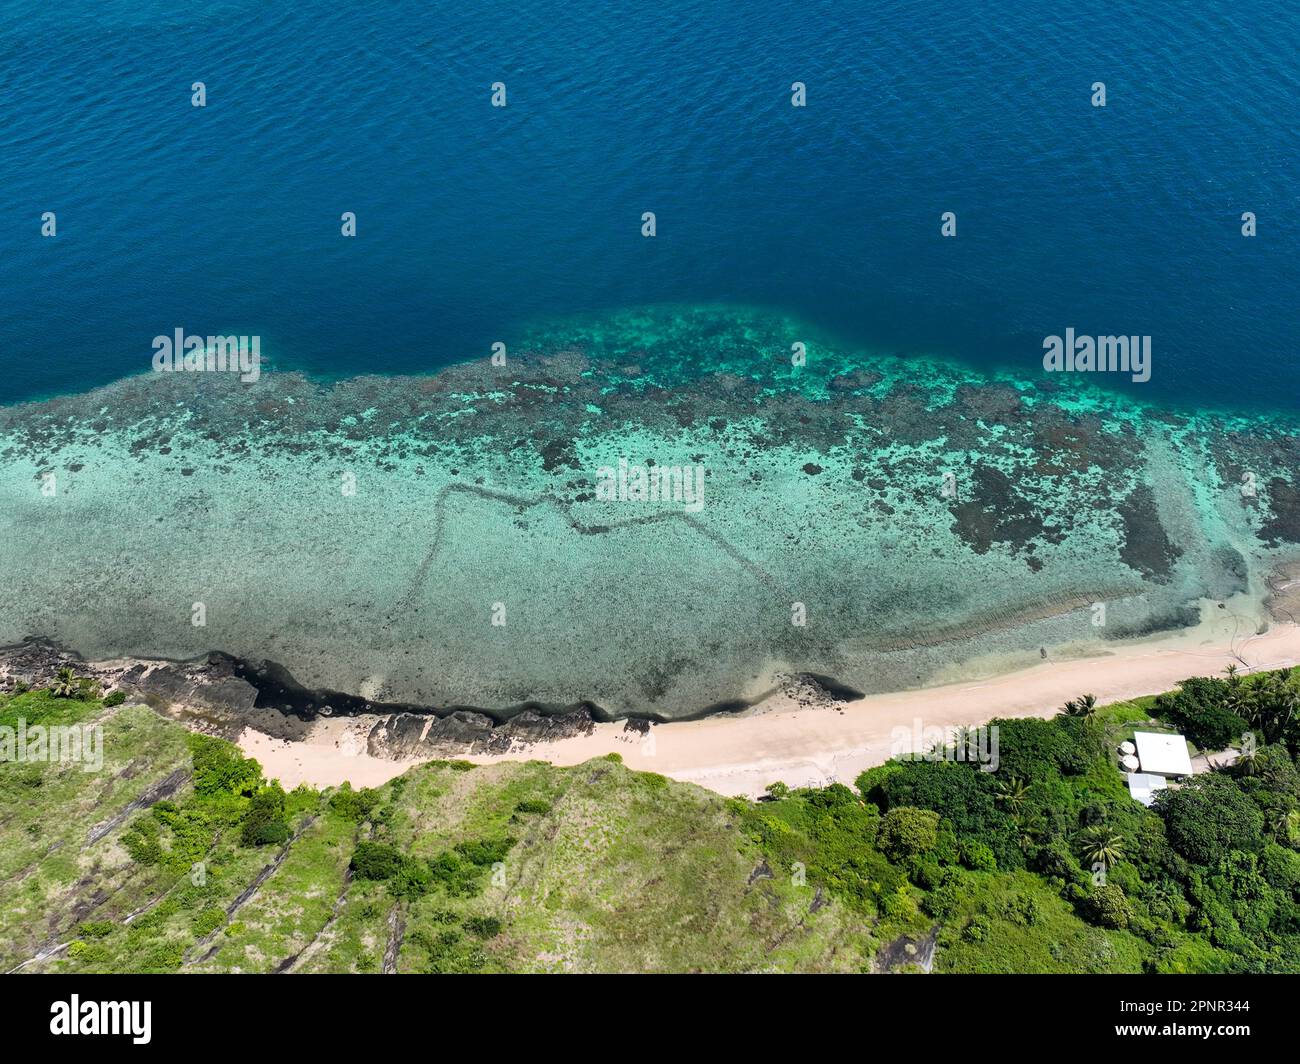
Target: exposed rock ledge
214 694
222 695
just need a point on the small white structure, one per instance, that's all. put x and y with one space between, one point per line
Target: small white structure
1163 755
1142 786
1129 763
1127 747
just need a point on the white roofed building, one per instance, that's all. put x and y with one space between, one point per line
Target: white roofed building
1142 786
1162 755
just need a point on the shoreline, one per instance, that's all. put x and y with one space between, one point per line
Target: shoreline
783 740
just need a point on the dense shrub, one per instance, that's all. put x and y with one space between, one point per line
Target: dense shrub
830 832
1165 902
961 794
1055 861
483 926
901 905
1085 744
375 860
1270 778
1109 906
907 832
1199 709
1021 908
1207 817
354 805
264 823
1281 867
460 877
448 952
266 833
219 767
977 856
462 870
142 841
943 900
412 879
485 852
1150 851
871 784
1033 750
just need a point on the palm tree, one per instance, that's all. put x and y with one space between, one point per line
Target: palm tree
1030 830
65 684
1011 793
1085 706
965 740
1248 764
1270 707
1279 824
1098 846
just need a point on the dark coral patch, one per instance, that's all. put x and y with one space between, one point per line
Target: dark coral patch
995 513
1147 548
1284 506
558 453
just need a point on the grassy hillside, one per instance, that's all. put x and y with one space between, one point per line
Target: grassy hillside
600 868
176 855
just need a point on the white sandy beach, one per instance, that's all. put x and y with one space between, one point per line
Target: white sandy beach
809 746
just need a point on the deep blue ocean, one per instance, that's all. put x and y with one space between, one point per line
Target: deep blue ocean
474 220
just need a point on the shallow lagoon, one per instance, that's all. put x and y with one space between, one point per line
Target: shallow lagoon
921 519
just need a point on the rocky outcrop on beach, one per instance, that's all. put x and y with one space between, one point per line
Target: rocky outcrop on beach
222 695
207 683
205 693
409 736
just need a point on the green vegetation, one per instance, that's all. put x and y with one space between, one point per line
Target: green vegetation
450 868
1047 864
180 856
68 685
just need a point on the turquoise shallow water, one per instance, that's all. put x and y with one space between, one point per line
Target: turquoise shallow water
446 539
